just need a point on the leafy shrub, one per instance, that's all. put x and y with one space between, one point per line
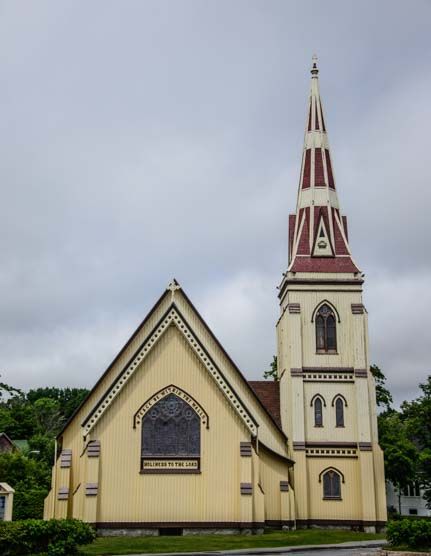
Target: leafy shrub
407 532
55 537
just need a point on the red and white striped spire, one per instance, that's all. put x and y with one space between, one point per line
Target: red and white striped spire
318 239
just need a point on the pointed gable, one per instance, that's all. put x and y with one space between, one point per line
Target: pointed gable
174 309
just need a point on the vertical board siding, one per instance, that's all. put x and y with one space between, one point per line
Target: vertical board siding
125 495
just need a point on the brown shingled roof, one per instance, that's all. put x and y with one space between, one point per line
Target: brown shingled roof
268 392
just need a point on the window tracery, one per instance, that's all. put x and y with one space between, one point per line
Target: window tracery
326 333
171 428
331 485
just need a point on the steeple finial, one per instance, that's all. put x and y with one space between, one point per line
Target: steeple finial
314 68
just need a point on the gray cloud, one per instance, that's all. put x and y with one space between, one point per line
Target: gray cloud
142 140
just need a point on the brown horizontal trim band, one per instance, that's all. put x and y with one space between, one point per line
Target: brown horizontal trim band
299 446
365 446
331 444
279 524
361 373
328 369
346 522
179 524
315 290
295 372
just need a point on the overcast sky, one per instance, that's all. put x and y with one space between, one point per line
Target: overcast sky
141 140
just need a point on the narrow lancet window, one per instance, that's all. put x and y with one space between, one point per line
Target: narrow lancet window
339 412
331 485
326 331
318 413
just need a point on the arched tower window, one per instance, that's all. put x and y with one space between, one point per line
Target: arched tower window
326 333
331 485
318 413
339 413
171 428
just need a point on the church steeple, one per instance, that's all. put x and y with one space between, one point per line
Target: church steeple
318 240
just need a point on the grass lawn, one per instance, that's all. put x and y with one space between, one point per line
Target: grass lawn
192 543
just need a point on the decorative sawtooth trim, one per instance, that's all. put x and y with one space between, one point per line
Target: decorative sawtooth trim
66 459
245 449
63 493
294 308
365 446
284 486
295 372
246 488
361 373
331 452
299 446
172 317
91 489
358 309
328 377
93 449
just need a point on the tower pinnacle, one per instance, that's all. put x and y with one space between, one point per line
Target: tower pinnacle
318 240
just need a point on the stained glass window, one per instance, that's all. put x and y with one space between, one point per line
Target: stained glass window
331 485
171 428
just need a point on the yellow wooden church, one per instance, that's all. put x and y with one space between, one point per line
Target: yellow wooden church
174 439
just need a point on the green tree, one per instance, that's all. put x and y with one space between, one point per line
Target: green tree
68 398
48 416
383 396
272 371
400 453
417 418
31 480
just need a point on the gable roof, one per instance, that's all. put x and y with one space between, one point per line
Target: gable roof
268 393
172 317
170 292
5 437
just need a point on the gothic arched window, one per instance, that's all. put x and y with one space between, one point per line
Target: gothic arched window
326 333
171 428
331 485
318 413
339 413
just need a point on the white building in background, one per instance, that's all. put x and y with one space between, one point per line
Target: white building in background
412 501
6 502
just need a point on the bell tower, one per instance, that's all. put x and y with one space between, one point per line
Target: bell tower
327 394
